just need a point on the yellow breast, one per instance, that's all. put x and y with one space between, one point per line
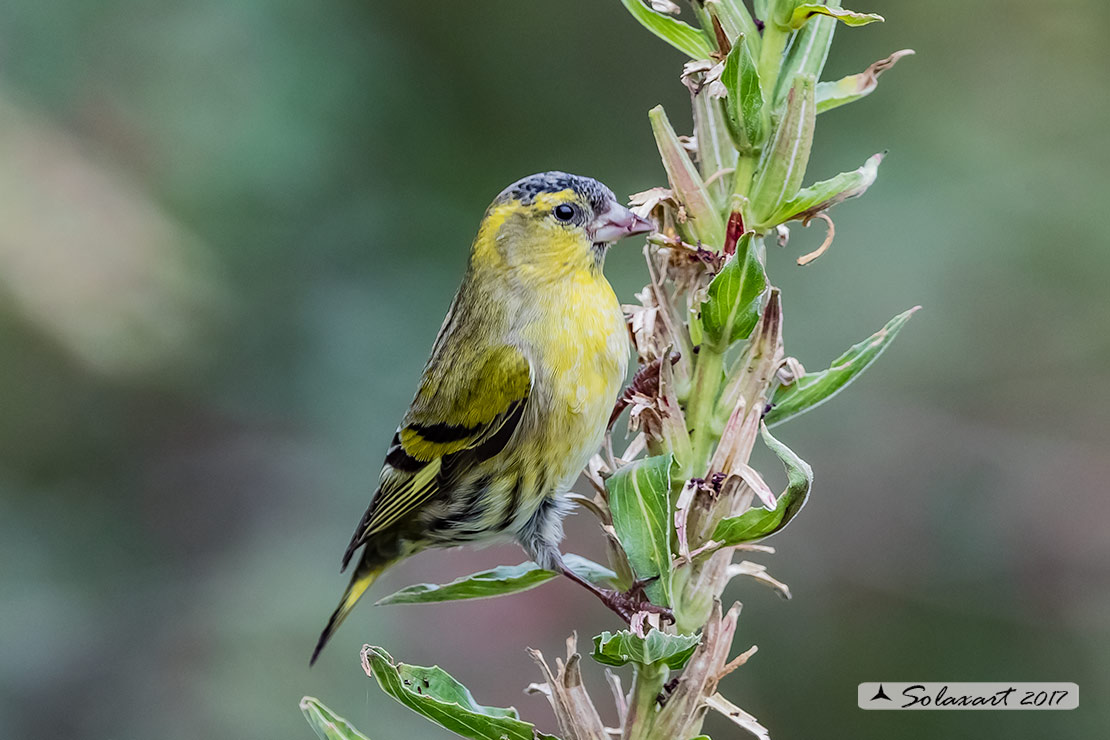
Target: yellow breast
581 352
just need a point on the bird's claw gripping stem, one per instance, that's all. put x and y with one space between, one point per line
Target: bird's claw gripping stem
625 604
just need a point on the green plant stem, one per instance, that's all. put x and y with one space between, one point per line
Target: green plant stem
646 686
703 401
770 55
745 173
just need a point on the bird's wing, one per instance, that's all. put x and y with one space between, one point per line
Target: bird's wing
466 410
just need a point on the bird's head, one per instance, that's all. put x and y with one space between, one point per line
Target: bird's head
554 220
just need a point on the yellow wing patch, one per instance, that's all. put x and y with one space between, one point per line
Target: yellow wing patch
458 407
461 416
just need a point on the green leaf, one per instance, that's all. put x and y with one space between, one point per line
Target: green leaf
681 36
807 53
499 581
848 89
686 184
827 193
735 297
327 724
716 152
784 162
640 500
435 694
813 389
737 21
745 105
805 11
657 648
757 523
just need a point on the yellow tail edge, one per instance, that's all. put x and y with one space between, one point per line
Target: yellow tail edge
360 581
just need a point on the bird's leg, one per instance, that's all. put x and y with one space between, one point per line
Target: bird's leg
625 603
540 539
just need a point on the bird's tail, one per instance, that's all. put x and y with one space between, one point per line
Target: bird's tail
365 574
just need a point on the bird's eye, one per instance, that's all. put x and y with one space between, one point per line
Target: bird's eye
563 212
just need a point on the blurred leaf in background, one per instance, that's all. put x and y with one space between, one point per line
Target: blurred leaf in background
283 195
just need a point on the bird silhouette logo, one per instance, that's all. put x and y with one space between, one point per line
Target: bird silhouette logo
881 694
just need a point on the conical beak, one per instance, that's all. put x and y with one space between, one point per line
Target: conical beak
617 223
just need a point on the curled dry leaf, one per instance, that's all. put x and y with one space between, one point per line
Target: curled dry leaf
759 573
689 267
805 259
654 324
645 383
682 515
619 699
789 371
738 661
697 74
644 203
643 323
574 711
654 411
634 449
596 472
738 715
754 481
685 708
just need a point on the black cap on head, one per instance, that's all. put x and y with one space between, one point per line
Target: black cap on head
527 188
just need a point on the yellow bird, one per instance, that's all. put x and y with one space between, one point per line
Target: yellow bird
516 395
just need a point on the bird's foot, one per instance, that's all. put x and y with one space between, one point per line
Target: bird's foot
627 604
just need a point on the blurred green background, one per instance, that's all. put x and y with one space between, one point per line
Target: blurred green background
228 234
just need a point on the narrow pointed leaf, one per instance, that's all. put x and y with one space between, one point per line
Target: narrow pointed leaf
784 162
639 497
737 21
807 53
845 90
656 648
499 581
805 11
327 724
813 389
745 106
681 36
735 297
686 184
433 693
716 152
757 523
825 194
